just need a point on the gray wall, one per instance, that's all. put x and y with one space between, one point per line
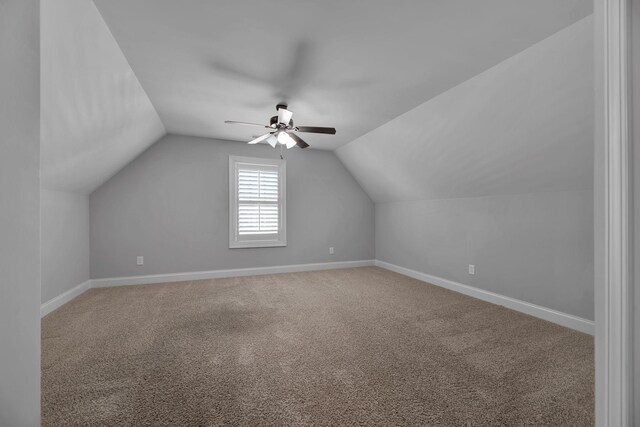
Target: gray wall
170 205
534 247
496 172
64 241
19 214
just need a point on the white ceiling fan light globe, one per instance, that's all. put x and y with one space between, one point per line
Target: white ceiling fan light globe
272 141
290 143
285 139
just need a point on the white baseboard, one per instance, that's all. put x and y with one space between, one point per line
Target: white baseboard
563 319
64 298
568 320
218 274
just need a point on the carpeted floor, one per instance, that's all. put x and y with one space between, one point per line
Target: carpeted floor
360 346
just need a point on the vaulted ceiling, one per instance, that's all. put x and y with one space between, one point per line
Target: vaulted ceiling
350 64
523 126
95 115
112 87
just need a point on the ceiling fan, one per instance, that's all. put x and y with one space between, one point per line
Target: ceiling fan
281 130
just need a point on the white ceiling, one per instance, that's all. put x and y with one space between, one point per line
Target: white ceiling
350 64
525 125
95 115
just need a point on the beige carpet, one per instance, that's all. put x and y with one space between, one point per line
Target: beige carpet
361 346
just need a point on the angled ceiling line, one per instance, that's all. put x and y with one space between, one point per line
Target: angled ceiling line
113 37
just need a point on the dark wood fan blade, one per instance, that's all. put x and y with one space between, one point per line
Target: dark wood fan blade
314 129
300 142
233 122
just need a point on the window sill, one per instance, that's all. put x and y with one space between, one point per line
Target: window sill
257 244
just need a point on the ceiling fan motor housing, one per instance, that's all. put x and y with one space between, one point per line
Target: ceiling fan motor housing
274 122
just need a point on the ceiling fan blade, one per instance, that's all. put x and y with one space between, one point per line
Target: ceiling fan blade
299 142
259 139
315 129
284 116
233 122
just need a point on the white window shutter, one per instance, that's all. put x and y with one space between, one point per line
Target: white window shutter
256 196
257 201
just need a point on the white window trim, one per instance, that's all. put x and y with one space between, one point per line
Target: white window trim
256 241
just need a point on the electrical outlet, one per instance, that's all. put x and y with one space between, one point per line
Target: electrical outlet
140 260
472 269
331 250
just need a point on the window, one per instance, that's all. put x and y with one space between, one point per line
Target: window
256 202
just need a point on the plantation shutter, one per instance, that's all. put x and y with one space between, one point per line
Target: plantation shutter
257 200
258 197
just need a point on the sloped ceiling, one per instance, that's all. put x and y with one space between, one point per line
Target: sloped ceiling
350 64
354 65
525 125
95 115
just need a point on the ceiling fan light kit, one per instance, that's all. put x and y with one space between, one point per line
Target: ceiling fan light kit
285 139
282 130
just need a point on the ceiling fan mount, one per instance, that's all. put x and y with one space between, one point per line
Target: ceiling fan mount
281 129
